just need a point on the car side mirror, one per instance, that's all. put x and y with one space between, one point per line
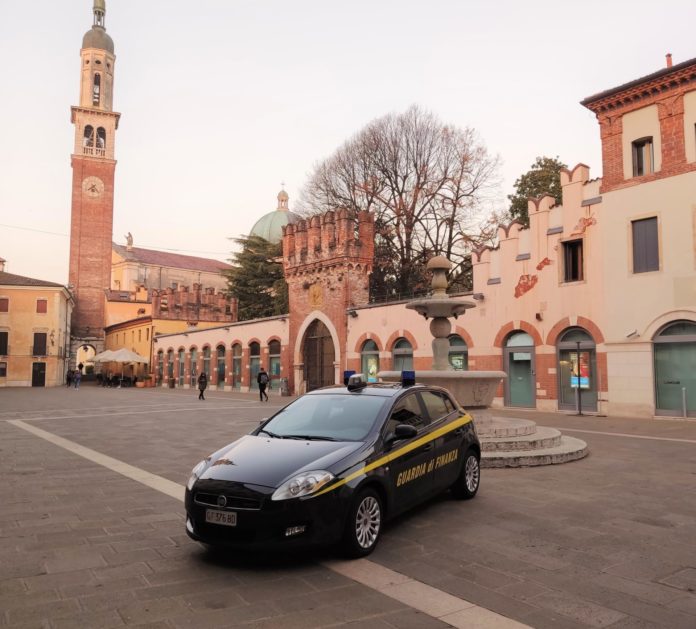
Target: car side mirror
401 432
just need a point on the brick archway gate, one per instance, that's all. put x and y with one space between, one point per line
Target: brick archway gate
319 356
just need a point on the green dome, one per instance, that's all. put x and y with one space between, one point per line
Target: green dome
270 226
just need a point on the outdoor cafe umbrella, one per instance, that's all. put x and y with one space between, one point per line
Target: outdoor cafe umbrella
103 357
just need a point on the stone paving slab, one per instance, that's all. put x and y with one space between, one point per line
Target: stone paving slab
606 541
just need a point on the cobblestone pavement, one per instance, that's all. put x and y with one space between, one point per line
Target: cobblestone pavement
609 541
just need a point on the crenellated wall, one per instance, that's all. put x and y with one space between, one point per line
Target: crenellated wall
197 304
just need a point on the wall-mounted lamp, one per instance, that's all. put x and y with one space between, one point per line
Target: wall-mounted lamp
632 334
353 313
539 316
52 336
479 296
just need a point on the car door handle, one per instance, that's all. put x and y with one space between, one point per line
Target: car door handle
427 447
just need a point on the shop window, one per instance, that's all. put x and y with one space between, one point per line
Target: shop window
236 366
369 359
675 369
194 367
220 367
206 361
643 162
274 360
402 355
458 353
573 261
3 370
645 245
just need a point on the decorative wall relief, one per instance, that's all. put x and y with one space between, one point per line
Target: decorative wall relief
583 224
525 284
542 264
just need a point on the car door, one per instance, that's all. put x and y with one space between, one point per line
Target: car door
411 471
442 411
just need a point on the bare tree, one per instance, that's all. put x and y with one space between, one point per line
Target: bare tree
425 181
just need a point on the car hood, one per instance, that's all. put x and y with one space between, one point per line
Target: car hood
268 461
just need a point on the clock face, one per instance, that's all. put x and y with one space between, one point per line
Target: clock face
93 186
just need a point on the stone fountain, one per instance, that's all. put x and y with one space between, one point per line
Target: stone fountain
505 442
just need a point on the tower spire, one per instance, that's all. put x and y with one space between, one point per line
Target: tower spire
99 12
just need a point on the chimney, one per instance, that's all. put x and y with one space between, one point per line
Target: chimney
2 264
668 57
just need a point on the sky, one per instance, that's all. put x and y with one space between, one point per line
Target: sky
223 100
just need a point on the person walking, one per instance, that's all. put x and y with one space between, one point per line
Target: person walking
68 377
202 385
77 377
262 380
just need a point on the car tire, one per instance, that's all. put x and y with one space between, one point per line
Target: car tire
466 486
364 524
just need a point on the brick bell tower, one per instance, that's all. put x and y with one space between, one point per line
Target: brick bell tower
93 168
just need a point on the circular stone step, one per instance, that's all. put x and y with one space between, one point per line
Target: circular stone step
544 437
570 449
505 427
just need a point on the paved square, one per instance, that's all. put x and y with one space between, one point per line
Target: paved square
609 541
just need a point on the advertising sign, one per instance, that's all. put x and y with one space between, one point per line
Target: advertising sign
580 374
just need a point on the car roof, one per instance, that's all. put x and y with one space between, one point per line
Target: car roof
378 389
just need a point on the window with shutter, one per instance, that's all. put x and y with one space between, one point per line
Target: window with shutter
646 255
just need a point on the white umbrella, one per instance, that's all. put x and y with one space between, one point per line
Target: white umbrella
106 356
124 355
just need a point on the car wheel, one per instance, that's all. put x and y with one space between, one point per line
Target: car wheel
364 524
467 484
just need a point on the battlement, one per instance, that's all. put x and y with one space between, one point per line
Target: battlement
522 254
194 304
330 238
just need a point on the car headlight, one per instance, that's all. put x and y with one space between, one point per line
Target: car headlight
195 473
303 484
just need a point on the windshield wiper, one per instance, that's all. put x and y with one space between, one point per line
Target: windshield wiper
270 434
310 437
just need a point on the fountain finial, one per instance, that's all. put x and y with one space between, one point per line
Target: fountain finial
439 265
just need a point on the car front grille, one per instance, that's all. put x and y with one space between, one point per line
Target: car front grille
233 502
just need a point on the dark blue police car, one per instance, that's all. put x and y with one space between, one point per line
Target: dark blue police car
332 466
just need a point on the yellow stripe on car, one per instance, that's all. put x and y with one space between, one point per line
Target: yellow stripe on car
392 456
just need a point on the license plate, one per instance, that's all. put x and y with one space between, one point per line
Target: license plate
226 518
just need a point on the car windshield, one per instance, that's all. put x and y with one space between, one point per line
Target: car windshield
331 417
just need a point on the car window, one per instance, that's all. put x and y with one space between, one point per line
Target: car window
407 411
437 405
342 417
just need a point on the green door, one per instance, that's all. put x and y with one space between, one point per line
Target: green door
675 369
519 365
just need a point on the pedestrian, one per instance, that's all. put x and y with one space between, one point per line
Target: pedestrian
68 377
77 376
262 379
202 385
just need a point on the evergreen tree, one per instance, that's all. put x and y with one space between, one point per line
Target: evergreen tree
257 279
544 177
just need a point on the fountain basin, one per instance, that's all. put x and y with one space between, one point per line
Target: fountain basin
472 389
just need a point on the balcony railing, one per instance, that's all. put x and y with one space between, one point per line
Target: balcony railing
93 150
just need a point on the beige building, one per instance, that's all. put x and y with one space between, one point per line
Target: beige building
34 331
134 267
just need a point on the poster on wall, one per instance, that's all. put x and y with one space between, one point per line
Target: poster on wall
580 374
372 368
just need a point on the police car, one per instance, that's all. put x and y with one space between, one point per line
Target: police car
332 466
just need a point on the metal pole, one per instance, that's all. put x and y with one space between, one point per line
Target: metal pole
578 382
684 402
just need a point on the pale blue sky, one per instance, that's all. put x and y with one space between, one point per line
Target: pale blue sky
221 100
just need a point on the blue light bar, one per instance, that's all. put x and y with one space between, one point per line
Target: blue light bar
346 376
408 378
